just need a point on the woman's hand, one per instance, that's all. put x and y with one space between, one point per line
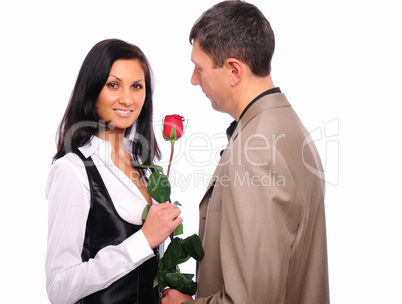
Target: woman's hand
161 221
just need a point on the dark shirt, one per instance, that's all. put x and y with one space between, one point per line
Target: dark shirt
233 125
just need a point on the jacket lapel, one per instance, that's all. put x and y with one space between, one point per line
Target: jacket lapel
264 103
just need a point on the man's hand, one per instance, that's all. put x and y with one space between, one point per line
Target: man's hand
173 296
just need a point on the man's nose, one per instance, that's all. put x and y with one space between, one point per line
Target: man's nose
195 78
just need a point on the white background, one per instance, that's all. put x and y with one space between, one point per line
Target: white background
339 64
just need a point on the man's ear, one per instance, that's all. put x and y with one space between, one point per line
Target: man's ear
235 66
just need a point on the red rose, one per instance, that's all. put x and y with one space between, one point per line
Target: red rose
173 127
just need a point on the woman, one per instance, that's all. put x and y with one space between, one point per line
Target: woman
99 250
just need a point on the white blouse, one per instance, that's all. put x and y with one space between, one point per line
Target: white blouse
68 279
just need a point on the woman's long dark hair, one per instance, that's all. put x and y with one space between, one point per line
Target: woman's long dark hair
81 121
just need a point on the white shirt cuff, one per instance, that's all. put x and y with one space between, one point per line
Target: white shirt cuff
138 248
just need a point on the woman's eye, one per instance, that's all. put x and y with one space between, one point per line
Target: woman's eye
137 86
112 85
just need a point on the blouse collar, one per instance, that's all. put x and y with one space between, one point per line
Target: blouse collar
103 147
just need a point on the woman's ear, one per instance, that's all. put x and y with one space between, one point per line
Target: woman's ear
235 66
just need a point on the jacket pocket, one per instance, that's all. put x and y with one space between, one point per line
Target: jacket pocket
215 202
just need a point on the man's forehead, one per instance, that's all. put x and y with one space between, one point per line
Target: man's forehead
198 55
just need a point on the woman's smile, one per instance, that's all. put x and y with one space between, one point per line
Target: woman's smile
123 94
123 113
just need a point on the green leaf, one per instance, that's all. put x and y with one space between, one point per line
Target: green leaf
184 259
155 281
173 132
161 275
181 282
159 187
156 167
145 212
178 230
193 246
184 255
161 279
179 251
172 254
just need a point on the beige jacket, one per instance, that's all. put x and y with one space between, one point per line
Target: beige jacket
262 218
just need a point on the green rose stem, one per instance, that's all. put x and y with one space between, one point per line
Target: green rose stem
179 250
167 174
171 156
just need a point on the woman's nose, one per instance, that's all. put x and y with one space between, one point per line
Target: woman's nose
126 97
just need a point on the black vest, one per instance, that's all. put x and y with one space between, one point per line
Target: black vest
105 227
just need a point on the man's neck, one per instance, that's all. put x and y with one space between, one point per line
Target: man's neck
248 90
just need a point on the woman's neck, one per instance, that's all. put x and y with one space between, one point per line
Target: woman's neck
116 140
122 160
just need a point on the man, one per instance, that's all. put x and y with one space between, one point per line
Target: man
262 220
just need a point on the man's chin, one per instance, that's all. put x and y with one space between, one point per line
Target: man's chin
214 105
